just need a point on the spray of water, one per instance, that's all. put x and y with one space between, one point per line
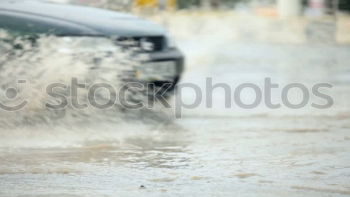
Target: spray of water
27 68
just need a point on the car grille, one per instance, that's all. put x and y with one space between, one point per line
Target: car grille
145 44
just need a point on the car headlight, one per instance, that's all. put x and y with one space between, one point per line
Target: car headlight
170 42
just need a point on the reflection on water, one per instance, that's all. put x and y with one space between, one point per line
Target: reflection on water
164 150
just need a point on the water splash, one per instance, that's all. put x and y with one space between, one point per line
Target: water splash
26 70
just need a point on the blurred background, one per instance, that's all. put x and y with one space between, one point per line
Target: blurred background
329 17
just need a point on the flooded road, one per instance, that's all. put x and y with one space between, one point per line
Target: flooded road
214 151
211 156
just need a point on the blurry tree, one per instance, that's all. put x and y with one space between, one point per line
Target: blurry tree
183 4
344 5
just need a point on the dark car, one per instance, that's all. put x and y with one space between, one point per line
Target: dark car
164 65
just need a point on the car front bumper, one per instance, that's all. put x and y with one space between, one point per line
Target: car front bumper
173 56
